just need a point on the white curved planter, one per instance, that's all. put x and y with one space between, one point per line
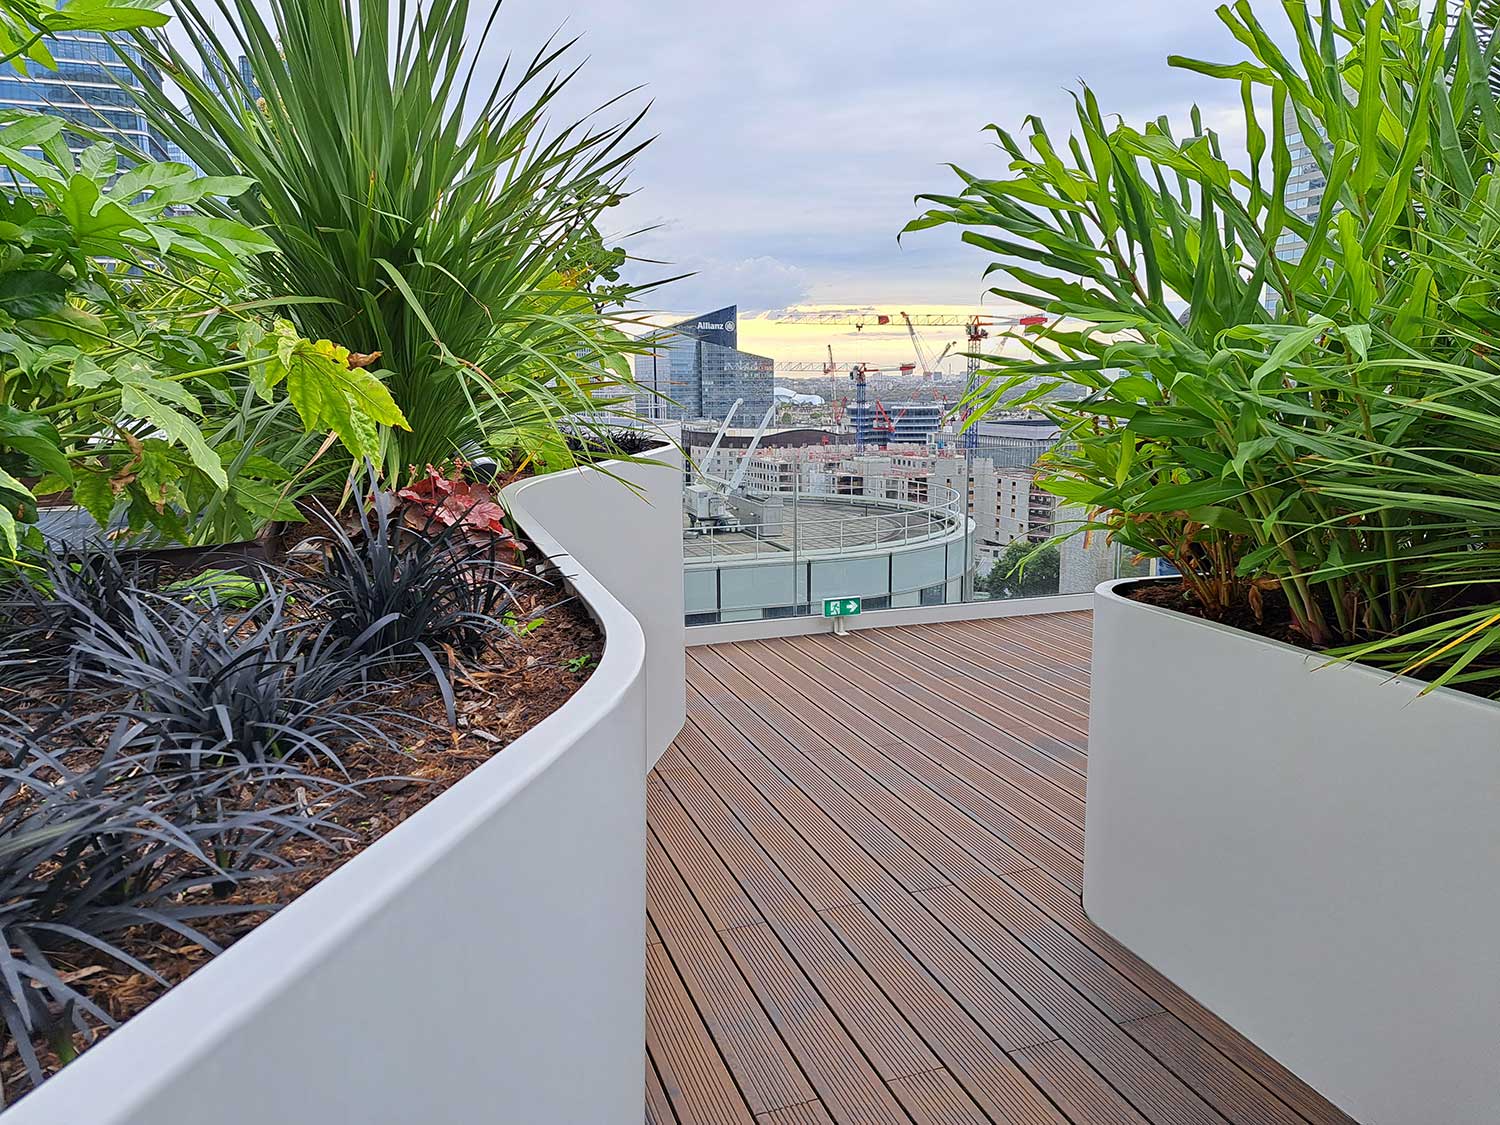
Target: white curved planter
624 526
1310 850
481 962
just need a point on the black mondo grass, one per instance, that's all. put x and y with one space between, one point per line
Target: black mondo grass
395 594
42 610
93 844
200 685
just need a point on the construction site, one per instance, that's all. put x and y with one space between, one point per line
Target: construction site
871 405
881 487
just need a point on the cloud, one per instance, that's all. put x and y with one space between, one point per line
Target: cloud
792 137
755 284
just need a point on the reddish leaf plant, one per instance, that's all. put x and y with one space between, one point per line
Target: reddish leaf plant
440 499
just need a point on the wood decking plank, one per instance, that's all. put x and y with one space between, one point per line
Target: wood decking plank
950 1031
850 1090
1032 740
1003 786
864 810
750 1045
698 1084
1066 677
1034 703
808 1113
1064 904
905 690
938 1097
658 1106
864 873
881 1032
890 759
1071 653
1072 1085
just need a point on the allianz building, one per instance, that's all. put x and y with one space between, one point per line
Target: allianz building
695 370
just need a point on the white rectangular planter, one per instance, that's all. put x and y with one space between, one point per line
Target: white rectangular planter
1310 850
480 963
625 528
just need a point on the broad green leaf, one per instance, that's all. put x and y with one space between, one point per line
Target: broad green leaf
37 438
94 494
27 294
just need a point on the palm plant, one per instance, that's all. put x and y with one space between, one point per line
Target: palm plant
446 226
1336 446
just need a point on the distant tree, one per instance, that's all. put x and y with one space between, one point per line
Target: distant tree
1023 571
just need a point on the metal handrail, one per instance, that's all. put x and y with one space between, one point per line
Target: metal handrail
902 523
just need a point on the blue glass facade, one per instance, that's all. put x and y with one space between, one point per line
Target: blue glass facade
696 371
240 85
88 88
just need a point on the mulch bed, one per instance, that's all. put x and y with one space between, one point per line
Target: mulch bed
1275 623
520 683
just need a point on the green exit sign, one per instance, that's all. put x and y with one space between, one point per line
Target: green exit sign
843 607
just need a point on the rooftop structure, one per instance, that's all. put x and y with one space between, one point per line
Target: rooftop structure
789 550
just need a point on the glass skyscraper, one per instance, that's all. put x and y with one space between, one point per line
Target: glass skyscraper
696 371
1305 186
90 87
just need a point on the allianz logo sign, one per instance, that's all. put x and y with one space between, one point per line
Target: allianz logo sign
705 326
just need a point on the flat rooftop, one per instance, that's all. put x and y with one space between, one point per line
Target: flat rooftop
864 871
822 525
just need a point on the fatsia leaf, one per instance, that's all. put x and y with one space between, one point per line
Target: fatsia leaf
146 395
27 294
37 438
94 494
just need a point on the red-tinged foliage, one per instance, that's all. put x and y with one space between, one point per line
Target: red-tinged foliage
449 499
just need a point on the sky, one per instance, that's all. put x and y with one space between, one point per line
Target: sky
792 135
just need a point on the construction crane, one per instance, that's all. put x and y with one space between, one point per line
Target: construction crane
976 328
884 425
804 367
929 367
860 375
706 501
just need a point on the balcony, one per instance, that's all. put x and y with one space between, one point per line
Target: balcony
864 872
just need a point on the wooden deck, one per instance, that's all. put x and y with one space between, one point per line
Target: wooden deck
864 873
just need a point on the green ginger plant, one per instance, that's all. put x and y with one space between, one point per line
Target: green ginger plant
1317 430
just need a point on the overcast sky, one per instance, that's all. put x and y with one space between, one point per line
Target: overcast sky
792 135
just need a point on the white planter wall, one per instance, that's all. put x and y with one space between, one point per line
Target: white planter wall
1310 850
480 963
630 539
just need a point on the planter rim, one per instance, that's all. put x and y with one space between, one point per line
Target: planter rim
1110 592
189 1020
